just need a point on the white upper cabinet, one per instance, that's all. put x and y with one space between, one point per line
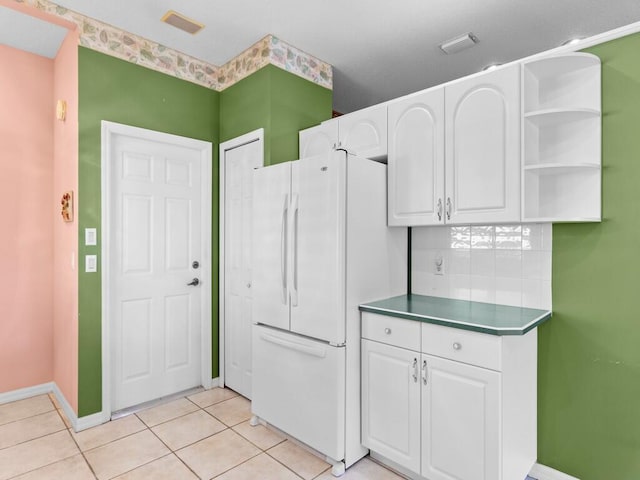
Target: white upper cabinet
363 133
561 172
416 160
482 172
477 123
318 140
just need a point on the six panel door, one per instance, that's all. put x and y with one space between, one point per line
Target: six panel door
239 165
156 234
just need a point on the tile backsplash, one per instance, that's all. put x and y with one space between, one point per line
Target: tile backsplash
505 264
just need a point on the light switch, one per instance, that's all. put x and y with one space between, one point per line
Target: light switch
90 236
90 263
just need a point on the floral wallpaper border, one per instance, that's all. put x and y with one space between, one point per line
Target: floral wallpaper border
272 50
113 41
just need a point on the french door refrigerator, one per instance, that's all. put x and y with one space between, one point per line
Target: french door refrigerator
320 248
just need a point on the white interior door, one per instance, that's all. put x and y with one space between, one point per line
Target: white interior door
239 164
155 236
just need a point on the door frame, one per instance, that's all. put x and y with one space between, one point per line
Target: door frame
109 131
250 137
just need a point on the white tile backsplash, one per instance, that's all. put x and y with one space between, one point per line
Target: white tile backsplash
505 264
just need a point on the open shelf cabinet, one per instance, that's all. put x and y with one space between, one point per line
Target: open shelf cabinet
561 131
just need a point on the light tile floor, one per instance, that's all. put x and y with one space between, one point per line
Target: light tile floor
203 436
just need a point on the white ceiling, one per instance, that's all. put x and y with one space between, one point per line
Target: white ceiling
379 49
25 32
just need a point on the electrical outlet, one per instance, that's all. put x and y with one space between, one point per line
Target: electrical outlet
439 265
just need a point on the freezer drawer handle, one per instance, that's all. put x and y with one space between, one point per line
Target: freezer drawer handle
299 347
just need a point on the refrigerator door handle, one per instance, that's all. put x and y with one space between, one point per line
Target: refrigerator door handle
294 249
283 249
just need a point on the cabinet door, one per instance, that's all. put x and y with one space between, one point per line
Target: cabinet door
416 160
460 421
483 148
391 403
365 132
318 140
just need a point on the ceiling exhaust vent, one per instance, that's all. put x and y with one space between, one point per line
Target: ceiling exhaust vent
178 20
458 44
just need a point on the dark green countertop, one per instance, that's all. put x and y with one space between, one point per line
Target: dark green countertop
476 316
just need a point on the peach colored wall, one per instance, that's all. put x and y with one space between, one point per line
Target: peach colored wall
26 237
65 235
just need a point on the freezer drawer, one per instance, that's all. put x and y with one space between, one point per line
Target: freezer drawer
299 387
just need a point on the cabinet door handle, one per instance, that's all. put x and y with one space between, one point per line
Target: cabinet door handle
439 209
448 208
424 372
415 370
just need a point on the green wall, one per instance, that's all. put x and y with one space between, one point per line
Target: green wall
119 91
589 355
278 101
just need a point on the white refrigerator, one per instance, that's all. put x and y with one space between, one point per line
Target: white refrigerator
321 247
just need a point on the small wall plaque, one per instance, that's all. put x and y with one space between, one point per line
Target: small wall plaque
67 206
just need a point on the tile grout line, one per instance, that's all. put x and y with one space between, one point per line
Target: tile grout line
40 437
286 466
64 427
47 464
173 452
80 450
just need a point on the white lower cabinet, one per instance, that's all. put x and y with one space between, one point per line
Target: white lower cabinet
440 413
391 403
460 421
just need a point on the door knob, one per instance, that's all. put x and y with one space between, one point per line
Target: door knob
194 283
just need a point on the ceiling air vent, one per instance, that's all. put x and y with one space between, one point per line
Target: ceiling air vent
178 20
458 44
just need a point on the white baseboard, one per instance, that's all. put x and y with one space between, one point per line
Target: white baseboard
28 392
78 424
213 383
81 423
542 472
